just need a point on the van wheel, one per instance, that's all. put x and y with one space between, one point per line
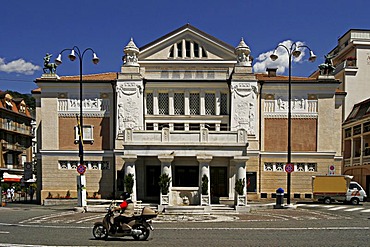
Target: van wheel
327 200
355 201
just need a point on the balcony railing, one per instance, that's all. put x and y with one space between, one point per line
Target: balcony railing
22 129
165 136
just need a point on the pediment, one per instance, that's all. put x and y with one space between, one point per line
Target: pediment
187 44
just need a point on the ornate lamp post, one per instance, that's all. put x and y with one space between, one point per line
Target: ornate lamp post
295 51
72 56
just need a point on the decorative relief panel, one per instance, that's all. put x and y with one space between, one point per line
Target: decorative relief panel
300 107
95 106
129 102
244 101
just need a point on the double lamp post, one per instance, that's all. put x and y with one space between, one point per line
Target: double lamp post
81 168
294 50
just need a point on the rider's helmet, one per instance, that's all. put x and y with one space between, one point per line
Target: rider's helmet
125 195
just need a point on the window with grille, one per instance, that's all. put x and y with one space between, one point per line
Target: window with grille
149 126
149 103
268 166
179 104
210 102
194 104
163 103
300 167
312 167
279 167
223 104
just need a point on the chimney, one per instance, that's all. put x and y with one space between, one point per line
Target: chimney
271 72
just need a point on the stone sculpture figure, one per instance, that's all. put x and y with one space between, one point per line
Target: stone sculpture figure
52 67
327 67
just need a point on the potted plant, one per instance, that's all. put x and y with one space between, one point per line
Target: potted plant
204 188
239 189
129 182
164 185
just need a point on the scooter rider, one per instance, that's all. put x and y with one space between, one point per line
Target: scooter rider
127 212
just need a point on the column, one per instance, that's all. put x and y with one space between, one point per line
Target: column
166 161
204 160
240 175
129 166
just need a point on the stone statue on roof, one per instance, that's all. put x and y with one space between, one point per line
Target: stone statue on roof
52 67
327 67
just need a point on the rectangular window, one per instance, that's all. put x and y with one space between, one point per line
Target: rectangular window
179 104
149 126
223 104
88 133
348 132
163 103
194 104
251 182
149 103
186 176
223 127
210 102
178 126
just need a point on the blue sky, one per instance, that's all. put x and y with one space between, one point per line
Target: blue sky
30 29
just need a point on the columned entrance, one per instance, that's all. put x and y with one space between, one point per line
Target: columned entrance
152 180
218 183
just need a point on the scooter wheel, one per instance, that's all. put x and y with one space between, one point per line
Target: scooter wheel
100 232
144 235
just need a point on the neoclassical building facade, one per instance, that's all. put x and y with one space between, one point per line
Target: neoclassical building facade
187 105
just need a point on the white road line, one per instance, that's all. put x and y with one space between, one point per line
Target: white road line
365 211
91 218
1 232
337 208
353 209
41 218
309 205
329 206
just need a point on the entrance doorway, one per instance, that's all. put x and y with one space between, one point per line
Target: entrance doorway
218 183
152 179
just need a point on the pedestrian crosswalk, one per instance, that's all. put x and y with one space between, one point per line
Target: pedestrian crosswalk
347 208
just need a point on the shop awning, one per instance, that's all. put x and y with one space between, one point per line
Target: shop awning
11 178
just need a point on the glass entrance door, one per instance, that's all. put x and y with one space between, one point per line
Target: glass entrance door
218 183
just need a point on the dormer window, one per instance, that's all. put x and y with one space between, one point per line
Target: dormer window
187 49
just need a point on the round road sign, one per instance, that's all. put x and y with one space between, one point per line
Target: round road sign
81 169
289 168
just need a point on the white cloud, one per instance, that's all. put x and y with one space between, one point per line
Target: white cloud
19 66
282 63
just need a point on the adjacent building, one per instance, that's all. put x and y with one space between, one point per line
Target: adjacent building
187 105
15 137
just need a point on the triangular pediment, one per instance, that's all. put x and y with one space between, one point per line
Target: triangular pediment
187 43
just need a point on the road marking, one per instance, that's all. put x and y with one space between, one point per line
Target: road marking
353 209
91 218
337 208
1 232
365 211
328 206
267 228
42 218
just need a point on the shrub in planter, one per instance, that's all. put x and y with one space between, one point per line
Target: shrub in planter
204 185
239 186
164 183
129 182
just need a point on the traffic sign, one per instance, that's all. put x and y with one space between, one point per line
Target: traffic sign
81 169
289 168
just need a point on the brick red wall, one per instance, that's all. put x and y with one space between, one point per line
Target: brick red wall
67 134
304 134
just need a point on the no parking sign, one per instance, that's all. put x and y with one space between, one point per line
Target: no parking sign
81 169
289 168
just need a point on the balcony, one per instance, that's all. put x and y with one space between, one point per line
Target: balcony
12 147
202 137
349 66
14 127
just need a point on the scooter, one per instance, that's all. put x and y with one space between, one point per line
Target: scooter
139 227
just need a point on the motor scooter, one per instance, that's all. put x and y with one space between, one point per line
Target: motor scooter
139 227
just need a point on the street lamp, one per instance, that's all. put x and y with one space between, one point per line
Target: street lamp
81 168
295 51
72 56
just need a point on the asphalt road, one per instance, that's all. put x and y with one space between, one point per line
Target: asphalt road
308 225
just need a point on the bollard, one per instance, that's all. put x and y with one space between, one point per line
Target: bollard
279 198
